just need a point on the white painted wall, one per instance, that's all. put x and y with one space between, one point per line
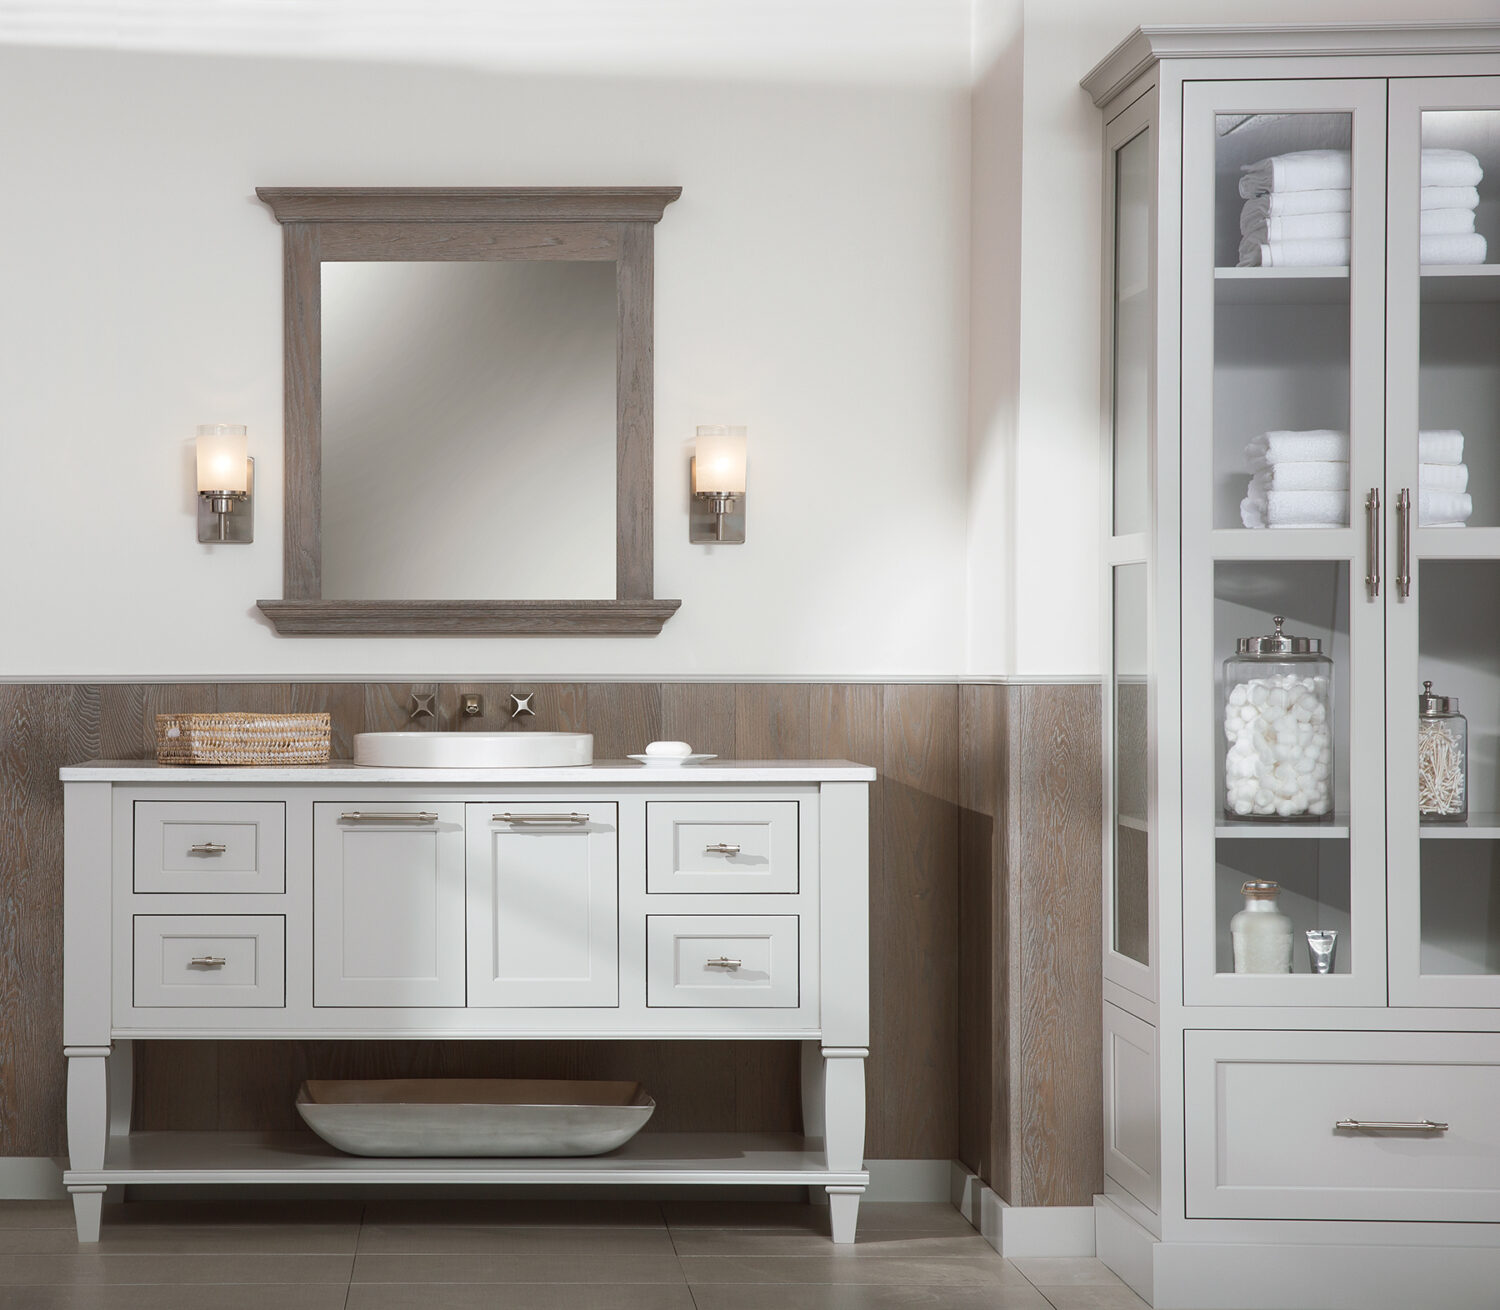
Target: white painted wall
810 284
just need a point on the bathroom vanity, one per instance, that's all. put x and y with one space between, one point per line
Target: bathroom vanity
607 901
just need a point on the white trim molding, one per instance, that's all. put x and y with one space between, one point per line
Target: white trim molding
31 1178
1022 1230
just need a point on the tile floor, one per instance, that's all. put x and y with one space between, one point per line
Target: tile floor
524 1255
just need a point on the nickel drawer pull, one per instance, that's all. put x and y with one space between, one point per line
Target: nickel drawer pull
723 962
209 961
1403 542
1395 1125
207 848
571 817
722 848
387 816
1372 542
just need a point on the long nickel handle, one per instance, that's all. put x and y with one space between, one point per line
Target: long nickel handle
387 816
722 848
207 848
1372 542
1403 542
571 817
209 961
1395 1125
723 962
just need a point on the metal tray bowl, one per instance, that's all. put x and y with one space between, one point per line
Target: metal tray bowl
474 1116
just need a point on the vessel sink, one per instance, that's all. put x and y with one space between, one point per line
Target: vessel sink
473 750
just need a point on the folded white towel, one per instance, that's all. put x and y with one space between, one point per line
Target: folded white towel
1324 252
1449 197
1440 446
1298 227
1446 222
1315 475
1437 508
1442 477
1302 170
1310 446
1296 509
1450 168
1286 204
1457 248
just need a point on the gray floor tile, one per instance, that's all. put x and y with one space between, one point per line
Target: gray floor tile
517 1214
273 1213
520 1296
1077 1296
1066 1272
82 1270
185 1239
36 1214
476 1268
873 1216
963 1271
493 1239
871 1244
763 1296
149 1296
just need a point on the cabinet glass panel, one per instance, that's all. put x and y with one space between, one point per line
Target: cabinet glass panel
1132 334
1459 386
1282 224
1132 892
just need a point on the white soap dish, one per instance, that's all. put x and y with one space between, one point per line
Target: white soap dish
670 761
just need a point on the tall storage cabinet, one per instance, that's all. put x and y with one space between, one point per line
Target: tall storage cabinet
1302 1138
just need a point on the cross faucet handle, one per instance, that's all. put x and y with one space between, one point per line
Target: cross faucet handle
422 707
520 703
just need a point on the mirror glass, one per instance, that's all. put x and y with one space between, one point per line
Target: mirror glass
468 416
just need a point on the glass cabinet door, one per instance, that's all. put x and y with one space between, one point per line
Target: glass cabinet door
1443 444
1282 600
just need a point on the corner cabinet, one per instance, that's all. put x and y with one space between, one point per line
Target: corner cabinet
342 902
1302 373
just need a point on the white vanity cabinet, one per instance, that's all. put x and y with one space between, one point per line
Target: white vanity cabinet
1301 1138
610 901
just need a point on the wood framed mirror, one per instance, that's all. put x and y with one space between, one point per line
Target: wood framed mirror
521 377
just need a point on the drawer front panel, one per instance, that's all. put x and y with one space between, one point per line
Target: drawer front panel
215 960
722 961
1262 1134
721 846
210 846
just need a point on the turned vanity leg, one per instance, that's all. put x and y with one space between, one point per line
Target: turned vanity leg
812 1089
119 1077
88 1130
844 1131
843 1212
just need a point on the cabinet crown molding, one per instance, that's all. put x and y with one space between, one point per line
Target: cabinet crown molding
353 204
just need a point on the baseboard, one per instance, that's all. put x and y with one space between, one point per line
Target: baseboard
1029 1230
1124 1246
909 1180
964 1190
31 1178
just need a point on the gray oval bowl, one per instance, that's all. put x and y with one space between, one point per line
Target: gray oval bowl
474 1116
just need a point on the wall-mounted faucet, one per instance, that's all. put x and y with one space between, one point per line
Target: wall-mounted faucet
472 705
520 704
422 707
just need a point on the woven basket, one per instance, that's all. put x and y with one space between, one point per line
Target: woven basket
242 738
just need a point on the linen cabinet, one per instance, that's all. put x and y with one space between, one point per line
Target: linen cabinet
1302 438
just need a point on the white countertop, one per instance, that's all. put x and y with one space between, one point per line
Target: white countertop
603 771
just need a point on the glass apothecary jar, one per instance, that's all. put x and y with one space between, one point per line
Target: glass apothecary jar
1260 934
1442 759
1278 725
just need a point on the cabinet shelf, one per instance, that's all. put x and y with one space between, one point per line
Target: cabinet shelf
1462 283
1479 826
651 1159
1281 286
1335 828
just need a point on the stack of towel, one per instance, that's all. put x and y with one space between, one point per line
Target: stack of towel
1296 209
1301 480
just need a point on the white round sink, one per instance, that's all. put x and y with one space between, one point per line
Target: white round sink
473 750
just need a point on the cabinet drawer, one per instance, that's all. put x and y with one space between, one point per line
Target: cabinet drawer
719 961
228 960
210 846
1262 1140
721 846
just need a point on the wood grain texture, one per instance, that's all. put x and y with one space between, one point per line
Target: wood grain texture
468 241
635 466
302 412
701 714
613 204
473 618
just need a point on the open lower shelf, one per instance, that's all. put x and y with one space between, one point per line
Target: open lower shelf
1335 827
651 1158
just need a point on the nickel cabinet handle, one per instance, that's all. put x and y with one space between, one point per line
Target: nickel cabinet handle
207 848
209 961
387 816
572 817
1395 1125
1372 542
1403 542
722 848
723 962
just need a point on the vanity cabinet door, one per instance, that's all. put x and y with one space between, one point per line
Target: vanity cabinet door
543 904
388 904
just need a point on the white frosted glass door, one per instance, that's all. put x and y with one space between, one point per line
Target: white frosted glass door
543 900
388 904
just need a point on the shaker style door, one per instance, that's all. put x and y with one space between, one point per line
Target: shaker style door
543 904
1283 369
388 904
1443 481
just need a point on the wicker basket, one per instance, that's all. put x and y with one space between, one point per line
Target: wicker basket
242 738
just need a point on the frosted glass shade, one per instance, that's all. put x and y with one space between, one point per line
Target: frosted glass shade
223 457
720 460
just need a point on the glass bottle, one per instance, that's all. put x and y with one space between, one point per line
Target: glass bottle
1278 725
1260 933
1442 759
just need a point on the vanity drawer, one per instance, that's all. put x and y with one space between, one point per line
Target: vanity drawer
721 846
1263 1141
720 961
222 960
210 846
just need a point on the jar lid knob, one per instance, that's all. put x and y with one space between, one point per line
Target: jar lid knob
1429 702
1278 620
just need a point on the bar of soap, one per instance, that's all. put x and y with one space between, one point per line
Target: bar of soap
670 749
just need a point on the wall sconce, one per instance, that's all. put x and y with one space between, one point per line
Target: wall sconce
226 484
717 470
